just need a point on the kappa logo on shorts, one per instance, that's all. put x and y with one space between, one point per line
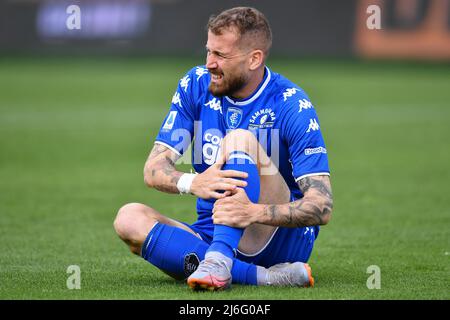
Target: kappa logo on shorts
191 262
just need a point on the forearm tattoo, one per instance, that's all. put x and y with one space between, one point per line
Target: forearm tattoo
313 209
161 169
318 183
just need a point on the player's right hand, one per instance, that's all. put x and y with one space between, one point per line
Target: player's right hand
216 183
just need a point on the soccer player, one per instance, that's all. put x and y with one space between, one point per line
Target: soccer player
261 169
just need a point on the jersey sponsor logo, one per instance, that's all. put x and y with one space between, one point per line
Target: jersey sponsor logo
289 93
168 125
310 151
304 104
214 104
211 146
263 118
199 71
313 125
234 117
184 82
176 99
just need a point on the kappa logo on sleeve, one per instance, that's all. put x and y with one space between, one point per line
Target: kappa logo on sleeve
199 71
313 125
289 93
304 104
184 82
168 125
176 99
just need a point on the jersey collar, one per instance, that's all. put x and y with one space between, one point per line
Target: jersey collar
255 95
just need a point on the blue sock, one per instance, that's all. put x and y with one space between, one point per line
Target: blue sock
226 239
178 253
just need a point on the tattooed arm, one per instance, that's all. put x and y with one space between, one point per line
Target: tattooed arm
313 209
160 173
159 170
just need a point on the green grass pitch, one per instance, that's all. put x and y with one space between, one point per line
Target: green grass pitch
74 135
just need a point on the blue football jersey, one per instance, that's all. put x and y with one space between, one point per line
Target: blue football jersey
279 113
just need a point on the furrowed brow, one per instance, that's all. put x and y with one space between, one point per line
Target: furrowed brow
219 53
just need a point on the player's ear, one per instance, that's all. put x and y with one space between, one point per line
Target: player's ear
256 59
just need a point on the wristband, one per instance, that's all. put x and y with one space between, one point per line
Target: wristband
185 182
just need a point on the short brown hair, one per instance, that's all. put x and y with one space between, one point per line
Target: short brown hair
250 24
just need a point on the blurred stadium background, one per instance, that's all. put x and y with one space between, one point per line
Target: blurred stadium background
79 109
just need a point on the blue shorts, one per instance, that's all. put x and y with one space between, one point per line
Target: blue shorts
285 245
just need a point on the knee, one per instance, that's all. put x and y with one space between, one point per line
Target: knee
240 135
240 140
128 223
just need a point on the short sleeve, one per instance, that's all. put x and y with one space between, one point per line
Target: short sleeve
177 129
302 134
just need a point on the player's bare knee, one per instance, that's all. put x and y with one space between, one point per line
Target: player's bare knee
129 221
240 140
123 220
246 141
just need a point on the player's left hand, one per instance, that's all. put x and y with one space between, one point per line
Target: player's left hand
235 210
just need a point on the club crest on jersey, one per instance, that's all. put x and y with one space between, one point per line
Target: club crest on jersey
234 117
263 118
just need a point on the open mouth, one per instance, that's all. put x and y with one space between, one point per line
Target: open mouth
216 77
